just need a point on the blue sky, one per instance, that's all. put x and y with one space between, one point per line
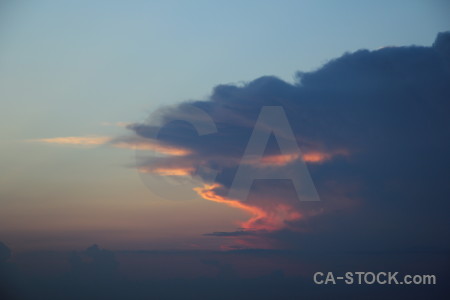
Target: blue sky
132 57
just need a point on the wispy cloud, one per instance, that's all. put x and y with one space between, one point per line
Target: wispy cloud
139 143
168 171
134 143
75 140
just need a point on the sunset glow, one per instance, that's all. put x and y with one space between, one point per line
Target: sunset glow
260 219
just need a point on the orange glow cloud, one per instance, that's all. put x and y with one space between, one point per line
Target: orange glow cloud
76 140
207 192
321 156
280 160
168 171
316 157
144 144
135 144
261 219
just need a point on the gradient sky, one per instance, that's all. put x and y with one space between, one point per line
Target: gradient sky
76 68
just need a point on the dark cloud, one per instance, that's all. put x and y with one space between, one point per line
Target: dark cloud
5 253
8 275
374 129
237 274
94 264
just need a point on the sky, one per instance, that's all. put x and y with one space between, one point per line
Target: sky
86 70
222 149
